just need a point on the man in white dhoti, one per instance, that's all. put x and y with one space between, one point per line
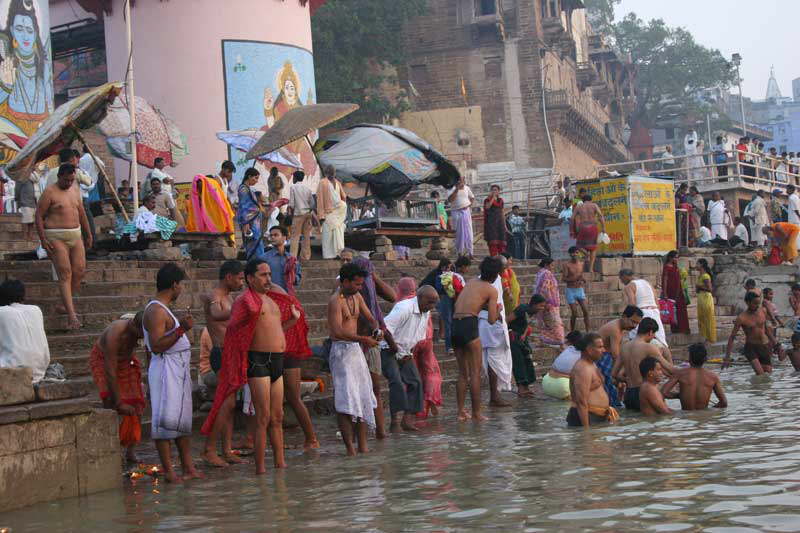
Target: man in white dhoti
23 342
639 293
354 400
760 219
497 360
331 212
168 375
716 216
408 325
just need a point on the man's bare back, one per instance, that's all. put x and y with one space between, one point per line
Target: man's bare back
118 338
61 208
612 334
573 274
477 296
269 323
632 354
696 386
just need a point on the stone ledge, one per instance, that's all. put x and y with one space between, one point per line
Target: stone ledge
13 414
72 388
16 386
58 408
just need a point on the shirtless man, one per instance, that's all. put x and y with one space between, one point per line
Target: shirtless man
696 383
477 295
117 372
640 293
794 353
650 398
576 294
631 355
590 402
217 306
583 226
355 402
612 333
60 219
758 337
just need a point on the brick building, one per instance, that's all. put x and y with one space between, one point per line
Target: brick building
478 71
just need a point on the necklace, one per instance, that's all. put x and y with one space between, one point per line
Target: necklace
347 301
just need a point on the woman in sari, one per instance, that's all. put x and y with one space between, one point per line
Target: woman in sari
424 358
672 288
511 288
784 235
494 224
548 321
705 302
250 215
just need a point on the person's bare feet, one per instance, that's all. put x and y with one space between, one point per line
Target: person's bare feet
130 456
233 458
172 477
60 309
192 473
73 323
281 464
464 415
394 427
312 444
246 444
499 402
214 460
261 471
380 433
363 450
408 424
351 452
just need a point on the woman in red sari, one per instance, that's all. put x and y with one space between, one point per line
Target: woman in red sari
672 288
494 224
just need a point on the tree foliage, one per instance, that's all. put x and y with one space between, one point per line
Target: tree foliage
358 44
671 67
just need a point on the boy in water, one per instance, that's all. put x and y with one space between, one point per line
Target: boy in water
651 401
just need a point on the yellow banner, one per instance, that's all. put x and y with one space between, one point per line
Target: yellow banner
611 195
652 215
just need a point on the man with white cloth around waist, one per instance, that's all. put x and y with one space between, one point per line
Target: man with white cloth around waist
408 325
639 293
497 359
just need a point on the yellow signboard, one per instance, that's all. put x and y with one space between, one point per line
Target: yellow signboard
639 214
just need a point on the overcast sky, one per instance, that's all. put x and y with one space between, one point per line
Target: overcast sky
764 32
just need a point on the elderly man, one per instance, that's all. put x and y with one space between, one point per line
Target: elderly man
164 203
716 216
759 219
408 325
60 221
639 293
332 212
590 403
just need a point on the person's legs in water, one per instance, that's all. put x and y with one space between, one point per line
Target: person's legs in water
184 445
495 400
260 391
275 427
220 426
474 357
291 377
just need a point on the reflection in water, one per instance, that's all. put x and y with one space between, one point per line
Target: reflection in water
731 470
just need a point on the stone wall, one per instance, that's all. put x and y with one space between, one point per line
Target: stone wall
55 447
733 270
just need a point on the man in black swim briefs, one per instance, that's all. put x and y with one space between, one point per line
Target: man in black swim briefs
758 337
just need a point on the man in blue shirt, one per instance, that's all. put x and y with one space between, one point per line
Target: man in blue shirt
278 256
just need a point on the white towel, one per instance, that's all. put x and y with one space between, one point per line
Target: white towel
495 343
352 384
22 339
170 395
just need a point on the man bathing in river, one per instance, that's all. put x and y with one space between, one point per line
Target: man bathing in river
117 372
631 355
695 383
589 399
254 346
758 337
168 374
60 221
496 345
612 333
576 292
354 400
477 295
217 306
650 399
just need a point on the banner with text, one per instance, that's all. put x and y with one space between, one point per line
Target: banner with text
652 205
611 195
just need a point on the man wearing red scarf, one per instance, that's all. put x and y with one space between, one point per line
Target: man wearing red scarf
254 354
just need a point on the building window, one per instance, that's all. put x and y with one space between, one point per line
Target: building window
493 68
669 133
485 7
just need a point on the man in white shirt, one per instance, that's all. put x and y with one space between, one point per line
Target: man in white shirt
461 199
301 208
705 237
740 235
164 203
793 208
158 172
667 160
88 165
760 219
716 215
407 325
225 179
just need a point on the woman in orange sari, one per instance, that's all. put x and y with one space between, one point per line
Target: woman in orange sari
785 235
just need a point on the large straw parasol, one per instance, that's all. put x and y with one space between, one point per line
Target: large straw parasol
296 124
62 127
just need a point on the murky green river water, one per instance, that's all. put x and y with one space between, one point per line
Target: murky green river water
731 470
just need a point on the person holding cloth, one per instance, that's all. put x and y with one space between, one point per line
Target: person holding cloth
461 200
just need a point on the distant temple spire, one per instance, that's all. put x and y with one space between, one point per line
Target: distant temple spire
773 91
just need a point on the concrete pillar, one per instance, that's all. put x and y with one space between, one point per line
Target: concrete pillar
519 130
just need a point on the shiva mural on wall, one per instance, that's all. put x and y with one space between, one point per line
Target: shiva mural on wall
263 81
26 70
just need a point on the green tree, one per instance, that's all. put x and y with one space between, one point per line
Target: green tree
358 45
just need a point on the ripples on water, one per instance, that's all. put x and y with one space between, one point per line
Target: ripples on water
718 470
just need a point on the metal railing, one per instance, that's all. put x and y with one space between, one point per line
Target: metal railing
365 212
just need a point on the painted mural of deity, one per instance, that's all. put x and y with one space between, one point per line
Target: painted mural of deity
26 84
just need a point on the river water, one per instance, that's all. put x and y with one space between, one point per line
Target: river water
736 469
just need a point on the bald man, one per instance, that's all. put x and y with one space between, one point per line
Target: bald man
407 325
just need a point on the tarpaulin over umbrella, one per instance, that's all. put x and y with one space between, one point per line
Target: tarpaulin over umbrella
58 130
243 140
156 135
391 160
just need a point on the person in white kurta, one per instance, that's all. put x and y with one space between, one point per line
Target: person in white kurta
758 214
716 216
496 349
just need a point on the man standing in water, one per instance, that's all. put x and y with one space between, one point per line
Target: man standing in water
612 333
696 383
585 218
217 306
633 353
589 399
60 220
354 400
477 295
650 399
639 292
168 375
496 345
254 346
576 293
758 337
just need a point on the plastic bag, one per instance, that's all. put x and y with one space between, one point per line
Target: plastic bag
130 430
667 309
603 238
